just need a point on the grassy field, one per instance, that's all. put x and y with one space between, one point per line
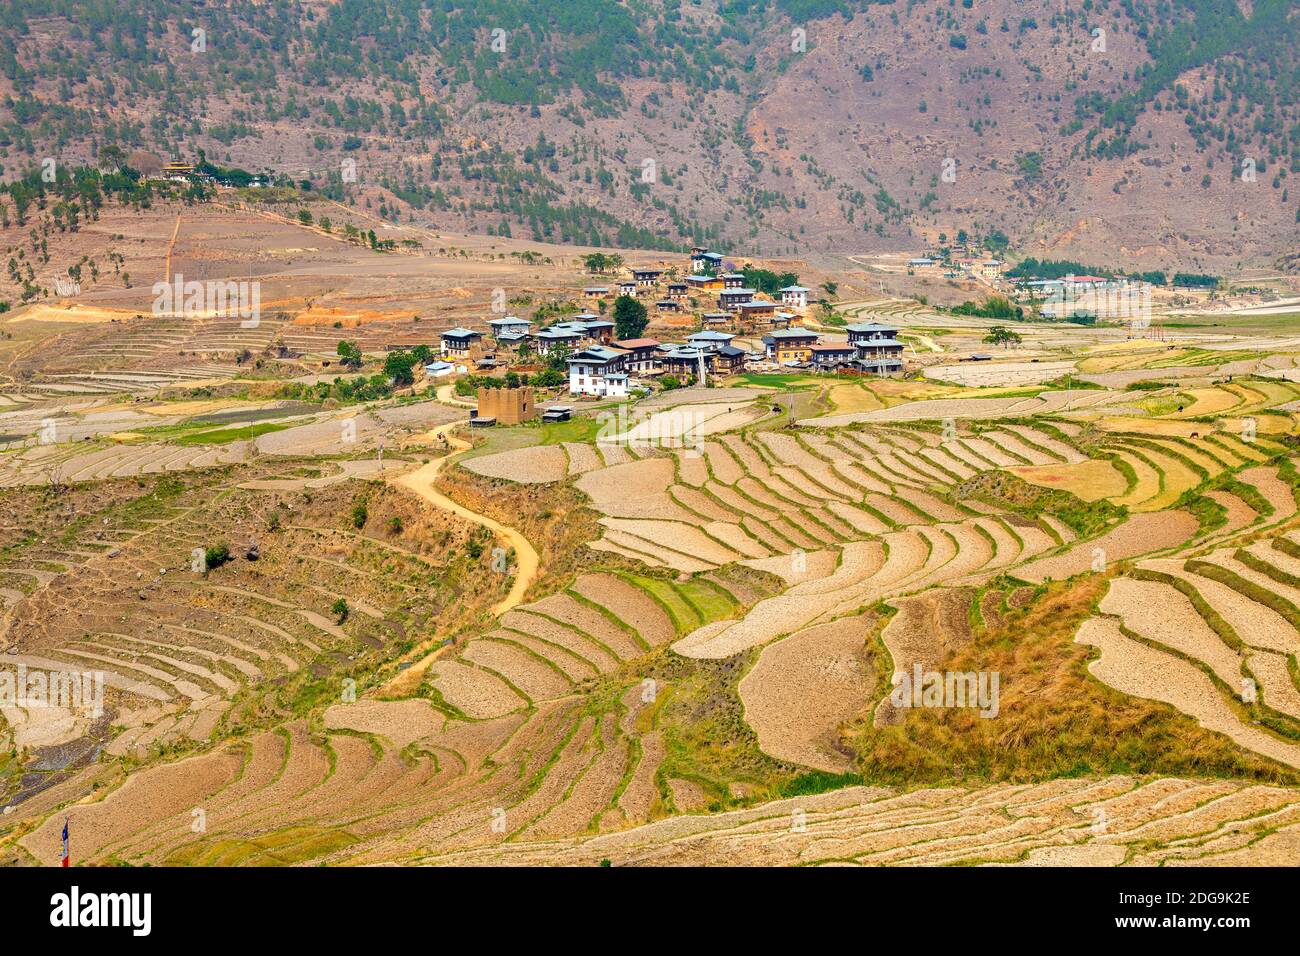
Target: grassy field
1282 323
778 380
224 436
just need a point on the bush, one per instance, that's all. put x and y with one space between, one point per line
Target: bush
360 514
216 556
395 525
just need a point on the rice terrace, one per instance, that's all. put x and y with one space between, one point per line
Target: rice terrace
374 530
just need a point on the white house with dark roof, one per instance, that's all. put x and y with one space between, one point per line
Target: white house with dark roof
598 370
704 261
795 296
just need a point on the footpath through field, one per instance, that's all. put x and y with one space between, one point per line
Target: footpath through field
421 481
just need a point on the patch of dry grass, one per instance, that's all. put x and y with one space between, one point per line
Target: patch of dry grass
1054 719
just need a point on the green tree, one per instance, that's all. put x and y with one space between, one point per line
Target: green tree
1001 335
557 360
349 354
630 317
216 556
400 368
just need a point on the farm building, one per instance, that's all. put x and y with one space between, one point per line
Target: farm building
510 325
575 332
729 359
668 305
557 337
709 339
627 287
875 341
880 366
647 278
677 290
789 346
641 354
833 356
758 310
440 369
705 283
683 360
512 340
459 341
733 280
595 328
731 299
597 370
703 261
616 385
795 296
596 291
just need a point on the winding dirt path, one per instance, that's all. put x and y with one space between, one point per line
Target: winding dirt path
421 482
447 395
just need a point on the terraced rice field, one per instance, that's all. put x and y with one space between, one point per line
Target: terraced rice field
1214 635
752 585
1112 821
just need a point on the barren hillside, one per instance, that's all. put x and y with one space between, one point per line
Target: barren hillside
1104 132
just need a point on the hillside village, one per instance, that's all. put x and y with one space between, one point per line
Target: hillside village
738 329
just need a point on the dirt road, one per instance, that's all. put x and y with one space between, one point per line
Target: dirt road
421 481
447 395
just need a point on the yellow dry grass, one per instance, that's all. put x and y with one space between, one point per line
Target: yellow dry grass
1090 480
1208 401
1178 478
76 314
1148 483
852 397
1264 425
895 392
1119 356
1150 426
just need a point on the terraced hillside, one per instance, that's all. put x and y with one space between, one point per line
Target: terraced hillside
1215 634
709 676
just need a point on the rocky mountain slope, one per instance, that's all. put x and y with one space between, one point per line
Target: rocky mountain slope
1105 131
